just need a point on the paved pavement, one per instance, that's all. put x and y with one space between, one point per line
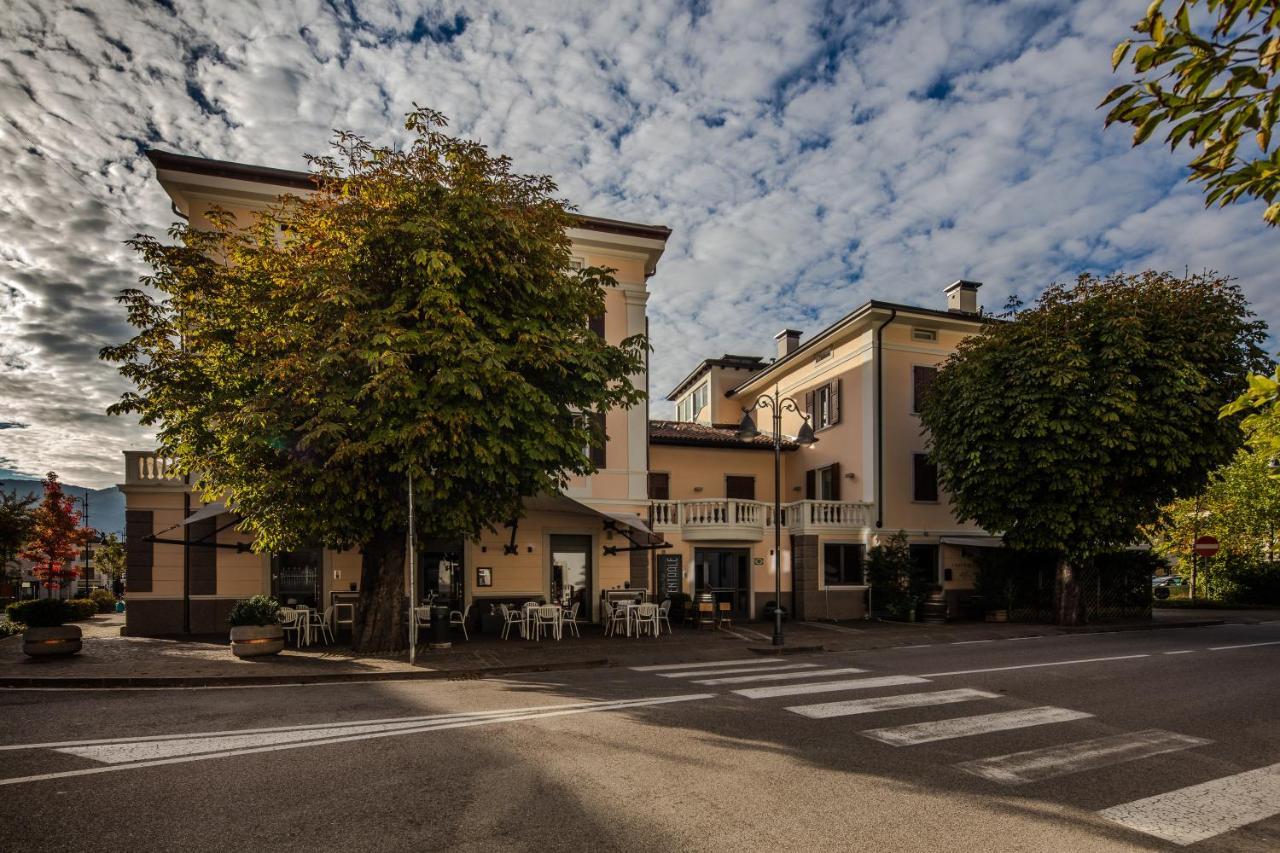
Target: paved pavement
107 655
1129 741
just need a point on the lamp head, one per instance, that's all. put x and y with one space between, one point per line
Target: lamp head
806 438
747 427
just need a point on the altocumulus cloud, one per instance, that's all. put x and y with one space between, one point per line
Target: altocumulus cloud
808 155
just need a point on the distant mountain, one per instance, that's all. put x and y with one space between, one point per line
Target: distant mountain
106 506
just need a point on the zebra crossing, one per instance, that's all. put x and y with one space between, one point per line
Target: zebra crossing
1182 816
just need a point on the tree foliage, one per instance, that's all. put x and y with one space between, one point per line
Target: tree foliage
1211 79
417 314
56 537
15 527
1260 405
1069 426
110 557
1240 506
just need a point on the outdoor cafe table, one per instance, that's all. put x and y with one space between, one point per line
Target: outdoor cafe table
629 607
531 619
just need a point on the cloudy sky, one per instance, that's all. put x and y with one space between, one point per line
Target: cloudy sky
808 156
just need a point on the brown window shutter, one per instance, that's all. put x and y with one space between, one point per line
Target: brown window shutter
204 557
835 482
596 324
139 554
599 443
811 484
835 401
808 408
740 488
659 486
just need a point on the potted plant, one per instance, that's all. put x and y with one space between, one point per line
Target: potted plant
255 627
46 634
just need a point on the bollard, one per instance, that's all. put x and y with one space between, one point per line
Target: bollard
440 627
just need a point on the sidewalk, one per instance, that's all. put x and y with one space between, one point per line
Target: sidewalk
110 660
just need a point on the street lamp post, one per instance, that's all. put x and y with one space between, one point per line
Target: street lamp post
747 430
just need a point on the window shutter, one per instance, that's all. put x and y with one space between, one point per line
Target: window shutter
835 482
659 486
808 407
599 443
739 488
596 324
811 484
139 554
835 401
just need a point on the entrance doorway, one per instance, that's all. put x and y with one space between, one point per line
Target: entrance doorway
726 574
295 577
440 572
571 573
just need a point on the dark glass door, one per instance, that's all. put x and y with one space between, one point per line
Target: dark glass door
571 573
726 574
295 577
440 571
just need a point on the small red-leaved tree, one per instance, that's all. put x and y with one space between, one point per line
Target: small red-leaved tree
56 537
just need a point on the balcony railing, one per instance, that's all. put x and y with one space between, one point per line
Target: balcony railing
741 519
145 467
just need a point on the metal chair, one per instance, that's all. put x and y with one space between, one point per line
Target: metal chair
664 613
647 619
289 619
549 617
571 619
706 615
319 622
458 619
724 614
510 618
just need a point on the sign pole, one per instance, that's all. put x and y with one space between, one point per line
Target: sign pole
413 580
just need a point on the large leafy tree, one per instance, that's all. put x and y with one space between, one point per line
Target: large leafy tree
15 527
417 315
56 538
110 557
1069 426
1211 80
1260 403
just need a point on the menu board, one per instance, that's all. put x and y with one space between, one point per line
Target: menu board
670 572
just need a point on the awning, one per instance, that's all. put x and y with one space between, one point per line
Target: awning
210 510
973 541
625 522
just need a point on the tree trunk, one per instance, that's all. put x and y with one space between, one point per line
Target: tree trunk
381 622
1068 596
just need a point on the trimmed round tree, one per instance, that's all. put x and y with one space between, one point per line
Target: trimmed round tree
1068 427
418 314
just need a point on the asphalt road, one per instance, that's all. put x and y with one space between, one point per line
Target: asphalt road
1134 741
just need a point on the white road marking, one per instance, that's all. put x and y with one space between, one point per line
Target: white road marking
736 670
1181 652
828 686
890 703
672 666
915 733
1244 646
1034 765
516 715
969 642
1031 637
1031 665
782 676
1202 811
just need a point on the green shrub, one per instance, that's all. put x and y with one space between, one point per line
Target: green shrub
8 629
105 600
259 610
40 612
82 608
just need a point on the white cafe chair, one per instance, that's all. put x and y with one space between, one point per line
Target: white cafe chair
529 611
458 619
571 619
289 619
511 618
664 613
549 618
616 615
319 623
646 616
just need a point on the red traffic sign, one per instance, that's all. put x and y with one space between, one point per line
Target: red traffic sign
1205 546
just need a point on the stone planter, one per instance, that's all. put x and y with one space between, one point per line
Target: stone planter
51 642
251 641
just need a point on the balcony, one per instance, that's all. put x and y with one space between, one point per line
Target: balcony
741 520
147 468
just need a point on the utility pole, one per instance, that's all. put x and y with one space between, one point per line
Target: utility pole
84 522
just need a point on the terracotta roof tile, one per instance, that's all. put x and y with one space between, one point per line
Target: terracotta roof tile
715 435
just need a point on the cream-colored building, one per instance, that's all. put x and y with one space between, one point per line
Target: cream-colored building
691 487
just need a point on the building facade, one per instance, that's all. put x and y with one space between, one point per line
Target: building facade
676 506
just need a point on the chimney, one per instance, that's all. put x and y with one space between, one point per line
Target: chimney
962 296
788 340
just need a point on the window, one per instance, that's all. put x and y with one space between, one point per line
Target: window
597 451
924 559
822 405
924 475
822 484
692 404
740 488
659 486
922 377
924 335
842 564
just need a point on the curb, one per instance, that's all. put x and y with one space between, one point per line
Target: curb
1112 629
786 650
166 682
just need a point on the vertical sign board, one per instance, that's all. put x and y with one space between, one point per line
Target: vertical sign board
670 572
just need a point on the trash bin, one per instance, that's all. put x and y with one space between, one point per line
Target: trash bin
440 627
